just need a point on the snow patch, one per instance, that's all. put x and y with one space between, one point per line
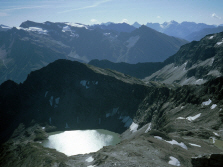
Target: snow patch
213 139
216 134
114 111
180 118
212 61
95 82
185 64
173 161
57 100
211 37
77 25
192 118
176 143
219 43
108 115
213 106
199 81
66 28
84 83
149 128
51 100
173 142
133 127
206 103
43 128
74 35
34 29
215 73
39 30
90 159
106 34
157 137
67 126
194 145
46 93
126 120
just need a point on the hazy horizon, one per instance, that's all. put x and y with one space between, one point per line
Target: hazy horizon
13 13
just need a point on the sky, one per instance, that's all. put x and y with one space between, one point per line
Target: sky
14 12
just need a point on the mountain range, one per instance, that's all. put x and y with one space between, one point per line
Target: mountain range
34 45
186 30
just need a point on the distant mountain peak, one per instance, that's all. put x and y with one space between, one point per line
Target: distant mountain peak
167 24
107 23
179 30
136 25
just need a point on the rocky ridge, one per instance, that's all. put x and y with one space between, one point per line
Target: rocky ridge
195 63
184 30
139 70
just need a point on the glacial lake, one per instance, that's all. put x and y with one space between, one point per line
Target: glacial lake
81 141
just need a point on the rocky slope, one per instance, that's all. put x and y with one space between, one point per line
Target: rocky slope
34 45
194 63
159 126
147 45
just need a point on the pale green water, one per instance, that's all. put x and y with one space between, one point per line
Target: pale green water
217 143
81 141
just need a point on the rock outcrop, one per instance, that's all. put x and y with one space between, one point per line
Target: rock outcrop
215 160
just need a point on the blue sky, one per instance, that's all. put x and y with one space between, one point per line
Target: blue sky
14 12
